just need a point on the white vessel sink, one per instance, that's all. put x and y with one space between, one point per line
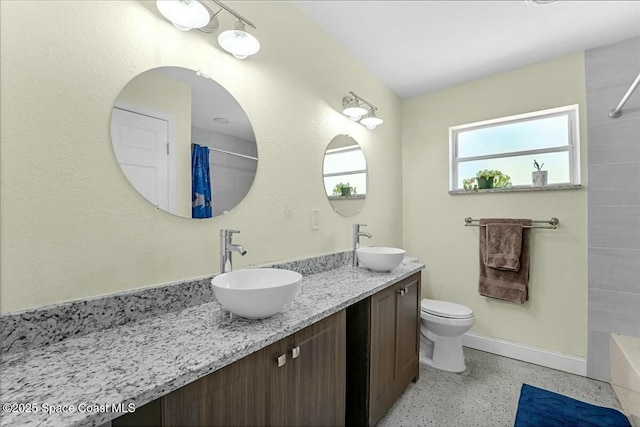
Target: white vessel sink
256 293
379 258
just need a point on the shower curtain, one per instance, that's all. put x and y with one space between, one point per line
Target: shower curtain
200 182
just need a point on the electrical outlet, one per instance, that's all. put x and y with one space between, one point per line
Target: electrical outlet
314 217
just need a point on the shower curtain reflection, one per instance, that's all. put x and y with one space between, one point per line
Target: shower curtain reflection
200 182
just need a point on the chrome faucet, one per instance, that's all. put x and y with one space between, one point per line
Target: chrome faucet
226 247
356 241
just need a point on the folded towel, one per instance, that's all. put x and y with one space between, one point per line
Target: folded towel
504 242
505 284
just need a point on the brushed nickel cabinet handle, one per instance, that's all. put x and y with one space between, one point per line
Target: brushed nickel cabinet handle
401 292
295 352
282 359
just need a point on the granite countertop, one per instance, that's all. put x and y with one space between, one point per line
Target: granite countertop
138 362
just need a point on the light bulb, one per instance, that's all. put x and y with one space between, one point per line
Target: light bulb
352 108
370 120
184 14
238 42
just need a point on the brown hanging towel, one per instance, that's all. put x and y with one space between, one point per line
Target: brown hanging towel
504 259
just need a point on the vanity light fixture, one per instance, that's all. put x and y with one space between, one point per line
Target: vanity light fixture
357 112
188 14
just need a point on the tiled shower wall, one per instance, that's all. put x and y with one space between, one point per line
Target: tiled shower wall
613 200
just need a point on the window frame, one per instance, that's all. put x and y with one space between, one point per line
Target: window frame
573 147
348 172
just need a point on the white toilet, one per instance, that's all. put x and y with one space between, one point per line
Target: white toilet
441 327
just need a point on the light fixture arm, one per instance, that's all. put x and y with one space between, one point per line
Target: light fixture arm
373 107
234 13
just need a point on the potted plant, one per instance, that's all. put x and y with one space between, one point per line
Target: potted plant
343 190
538 177
492 179
469 184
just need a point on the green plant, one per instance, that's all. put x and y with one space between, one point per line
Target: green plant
344 190
488 174
537 166
502 181
469 184
499 179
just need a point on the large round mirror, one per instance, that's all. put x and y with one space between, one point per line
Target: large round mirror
344 171
184 142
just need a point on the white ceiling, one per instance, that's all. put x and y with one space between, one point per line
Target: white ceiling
415 47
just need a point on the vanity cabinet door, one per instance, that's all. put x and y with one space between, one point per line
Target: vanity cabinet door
408 333
315 374
310 388
382 350
384 318
395 344
235 395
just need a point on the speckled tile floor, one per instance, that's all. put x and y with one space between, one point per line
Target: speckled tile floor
486 394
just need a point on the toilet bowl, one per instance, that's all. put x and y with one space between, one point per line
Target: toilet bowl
442 324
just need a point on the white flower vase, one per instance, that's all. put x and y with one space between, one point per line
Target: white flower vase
539 178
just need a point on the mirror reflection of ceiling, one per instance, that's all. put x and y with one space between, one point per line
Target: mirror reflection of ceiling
345 175
184 142
209 100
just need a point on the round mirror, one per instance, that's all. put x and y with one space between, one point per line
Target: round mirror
184 142
344 171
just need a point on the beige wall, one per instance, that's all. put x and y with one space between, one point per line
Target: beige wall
554 318
348 207
169 96
72 226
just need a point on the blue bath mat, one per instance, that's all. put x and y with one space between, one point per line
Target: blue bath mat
541 408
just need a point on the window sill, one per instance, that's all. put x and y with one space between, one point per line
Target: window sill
519 188
352 197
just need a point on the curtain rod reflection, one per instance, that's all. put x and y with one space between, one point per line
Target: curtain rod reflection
232 153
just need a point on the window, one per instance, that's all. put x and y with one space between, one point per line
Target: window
345 165
510 145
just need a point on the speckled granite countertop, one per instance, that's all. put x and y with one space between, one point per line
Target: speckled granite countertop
144 360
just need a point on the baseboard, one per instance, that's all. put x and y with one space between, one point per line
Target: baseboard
562 362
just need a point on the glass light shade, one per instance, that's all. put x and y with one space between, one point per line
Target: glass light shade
370 120
353 109
184 14
238 42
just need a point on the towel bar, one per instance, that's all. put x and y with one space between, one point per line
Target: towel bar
553 223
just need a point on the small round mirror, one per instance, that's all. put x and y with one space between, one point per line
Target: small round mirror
184 142
344 171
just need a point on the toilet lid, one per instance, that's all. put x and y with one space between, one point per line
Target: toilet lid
447 309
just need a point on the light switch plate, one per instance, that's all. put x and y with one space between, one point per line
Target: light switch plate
314 218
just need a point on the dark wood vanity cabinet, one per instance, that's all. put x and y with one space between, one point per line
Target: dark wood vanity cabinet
297 381
348 368
383 345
